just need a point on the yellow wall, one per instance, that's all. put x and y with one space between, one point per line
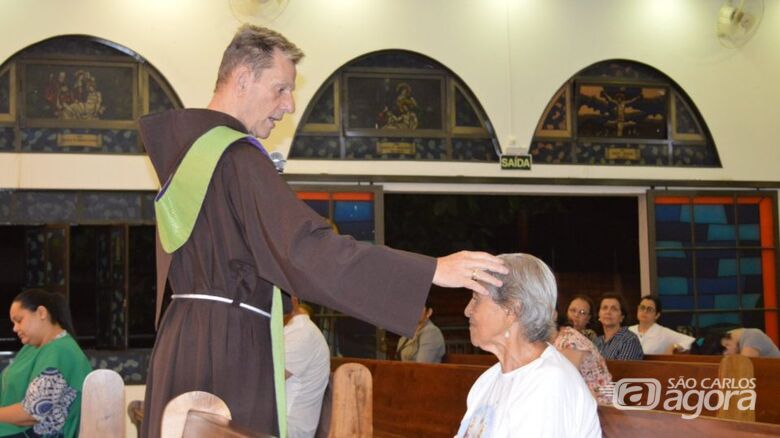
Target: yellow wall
514 54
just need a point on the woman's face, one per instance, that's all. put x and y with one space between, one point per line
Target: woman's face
730 346
578 313
28 325
487 321
610 314
646 313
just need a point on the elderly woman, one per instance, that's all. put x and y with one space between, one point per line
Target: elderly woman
655 338
579 312
617 342
41 389
533 390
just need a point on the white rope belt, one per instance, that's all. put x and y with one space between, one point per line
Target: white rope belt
221 300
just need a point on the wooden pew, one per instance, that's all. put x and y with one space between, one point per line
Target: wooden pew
411 399
346 410
347 406
684 358
176 413
652 424
766 370
102 405
470 359
207 425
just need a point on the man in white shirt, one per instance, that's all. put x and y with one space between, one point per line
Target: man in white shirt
307 365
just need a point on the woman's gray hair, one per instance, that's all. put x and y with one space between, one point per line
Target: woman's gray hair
530 292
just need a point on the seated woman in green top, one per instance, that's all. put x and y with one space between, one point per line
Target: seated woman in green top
40 392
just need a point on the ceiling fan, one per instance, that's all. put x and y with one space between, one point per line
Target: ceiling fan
738 21
257 11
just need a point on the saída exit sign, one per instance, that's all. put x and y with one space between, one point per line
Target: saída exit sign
516 162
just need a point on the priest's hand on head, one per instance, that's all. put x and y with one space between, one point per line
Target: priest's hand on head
467 269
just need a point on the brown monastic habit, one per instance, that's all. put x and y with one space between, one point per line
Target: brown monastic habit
252 233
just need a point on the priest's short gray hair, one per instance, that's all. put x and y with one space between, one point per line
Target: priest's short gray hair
254 46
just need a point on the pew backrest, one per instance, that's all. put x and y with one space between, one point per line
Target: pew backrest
651 424
102 405
470 359
200 424
176 413
351 402
414 399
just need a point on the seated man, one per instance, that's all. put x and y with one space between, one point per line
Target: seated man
427 345
307 368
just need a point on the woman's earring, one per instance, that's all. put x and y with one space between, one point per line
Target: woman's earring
506 334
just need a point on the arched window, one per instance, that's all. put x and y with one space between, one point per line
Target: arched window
624 113
395 105
78 94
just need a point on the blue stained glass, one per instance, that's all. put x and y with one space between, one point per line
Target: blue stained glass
673 266
749 232
710 214
748 213
750 301
359 230
750 266
723 285
730 301
672 286
320 207
708 319
668 244
708 263
673 231
670 254
674 320
752 284
727 267
681 302
353 211
668 213
754 319
685 214
721 232
706 302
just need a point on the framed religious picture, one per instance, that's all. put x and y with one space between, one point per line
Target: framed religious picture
622 112
394 104
73 94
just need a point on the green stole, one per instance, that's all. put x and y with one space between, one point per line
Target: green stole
177 207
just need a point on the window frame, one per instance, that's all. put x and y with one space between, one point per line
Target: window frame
768 247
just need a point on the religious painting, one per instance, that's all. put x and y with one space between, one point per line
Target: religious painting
556 121
73 92
8 94
394 103
617 111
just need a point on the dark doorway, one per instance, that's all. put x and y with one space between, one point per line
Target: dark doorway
590 242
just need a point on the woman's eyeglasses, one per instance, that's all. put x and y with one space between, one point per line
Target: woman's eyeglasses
648 309
581 312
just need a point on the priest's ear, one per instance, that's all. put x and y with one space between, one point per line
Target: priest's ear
242 78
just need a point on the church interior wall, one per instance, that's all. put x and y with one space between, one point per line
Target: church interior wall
513 55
